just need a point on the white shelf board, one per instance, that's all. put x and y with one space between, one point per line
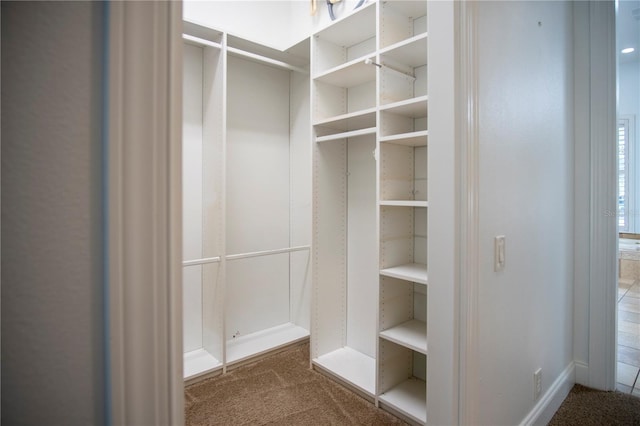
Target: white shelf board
199 362
344 135
413 108
411 334
350 121
404 203
353 28
414 272
419 138
409 398
352 366
352 73
411 52
263 341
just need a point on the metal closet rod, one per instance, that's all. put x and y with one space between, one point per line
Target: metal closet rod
370 61
265 59
244 53
266 252
201 261
201 41
217 259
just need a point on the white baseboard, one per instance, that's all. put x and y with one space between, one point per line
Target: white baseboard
582 373
551 400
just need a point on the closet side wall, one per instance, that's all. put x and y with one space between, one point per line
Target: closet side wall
192 196
258 200
300 210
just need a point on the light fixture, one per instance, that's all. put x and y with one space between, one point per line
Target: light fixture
628 50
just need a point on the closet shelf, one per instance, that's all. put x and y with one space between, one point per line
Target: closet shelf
411 334
344 135
414 272
411 52
264 341
405 203
352 73
350 121
352 366
418 138
409 398
413 108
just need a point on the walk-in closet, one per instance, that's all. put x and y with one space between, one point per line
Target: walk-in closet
305 201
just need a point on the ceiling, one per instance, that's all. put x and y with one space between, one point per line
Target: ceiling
628 29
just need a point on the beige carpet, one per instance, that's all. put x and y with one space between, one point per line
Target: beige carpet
588 407
279 390
283 390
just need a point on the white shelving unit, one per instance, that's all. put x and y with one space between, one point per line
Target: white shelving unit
370 120
356 245
247 199
344 117
402 137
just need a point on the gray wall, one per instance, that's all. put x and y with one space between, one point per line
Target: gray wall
52 304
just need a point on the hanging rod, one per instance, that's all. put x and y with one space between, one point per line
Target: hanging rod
369 61
265 59
266 252
201 41
201 261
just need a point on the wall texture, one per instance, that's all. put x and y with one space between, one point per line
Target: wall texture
52 304
525 193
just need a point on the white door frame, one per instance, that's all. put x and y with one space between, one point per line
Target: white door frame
468 165
143 144
595 132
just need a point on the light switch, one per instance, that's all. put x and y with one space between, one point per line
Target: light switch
499 253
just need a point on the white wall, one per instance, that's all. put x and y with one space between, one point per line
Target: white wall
263 21
525 184
192 193
274 23
52 301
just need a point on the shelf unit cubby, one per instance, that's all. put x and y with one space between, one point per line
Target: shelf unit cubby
344 259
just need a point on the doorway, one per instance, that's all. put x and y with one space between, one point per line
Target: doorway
628 162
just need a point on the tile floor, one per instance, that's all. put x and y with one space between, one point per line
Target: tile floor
629 336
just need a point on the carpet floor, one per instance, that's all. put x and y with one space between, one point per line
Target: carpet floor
589 407
278 390
282 390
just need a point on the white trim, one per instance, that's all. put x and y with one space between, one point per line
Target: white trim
582 372
549 403
468 241
201 42
144 224
603 182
